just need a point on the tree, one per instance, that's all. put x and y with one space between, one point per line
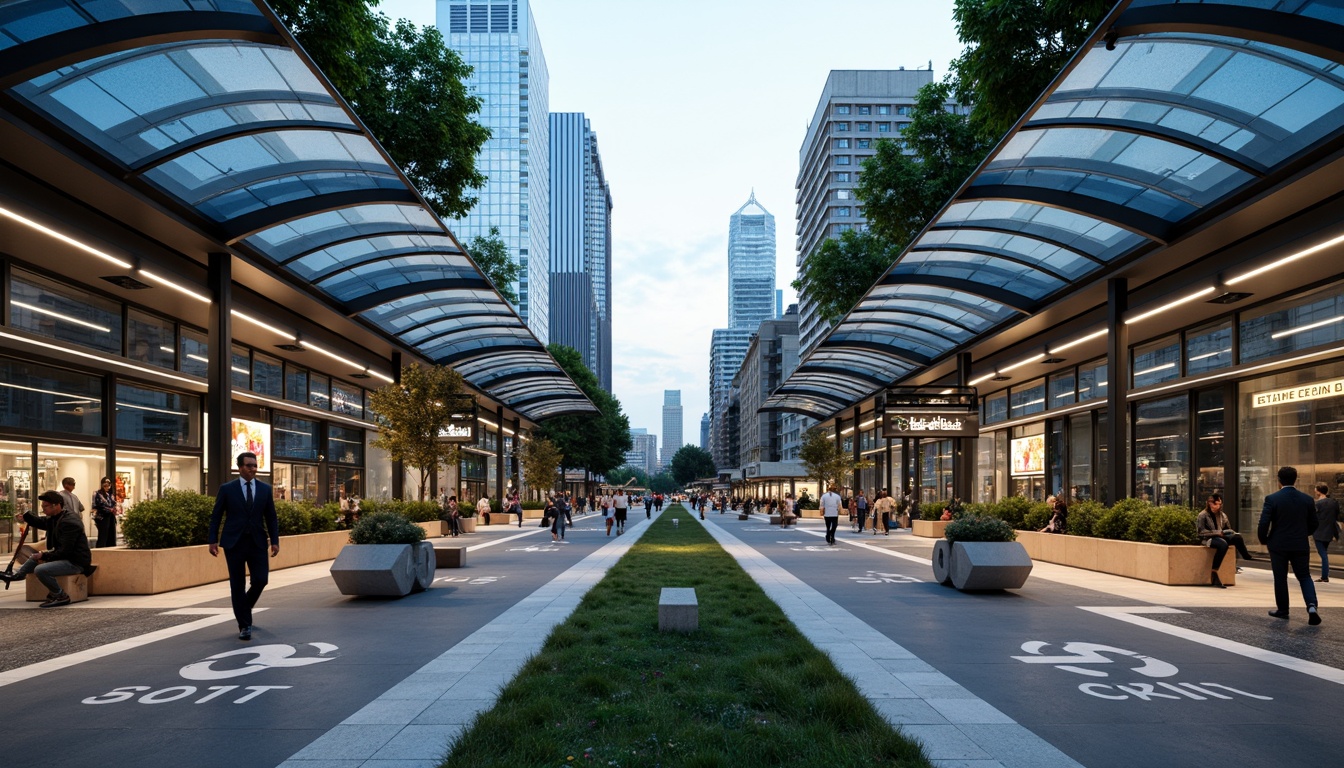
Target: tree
406 85
594 443
540 459
901 193
625 473
412 414
840 270
663 482
492 256
690 463
825 460
1014 48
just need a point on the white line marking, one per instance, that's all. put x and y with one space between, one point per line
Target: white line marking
1128 614
215 616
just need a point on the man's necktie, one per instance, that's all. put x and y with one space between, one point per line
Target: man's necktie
249 495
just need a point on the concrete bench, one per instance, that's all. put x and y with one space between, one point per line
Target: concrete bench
678 610
776 519
77 587
450 557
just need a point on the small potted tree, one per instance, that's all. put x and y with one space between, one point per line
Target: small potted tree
387 557
980 552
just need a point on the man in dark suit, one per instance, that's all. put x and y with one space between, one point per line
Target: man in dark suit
1286 525
248 510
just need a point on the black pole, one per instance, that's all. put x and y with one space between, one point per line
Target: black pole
1117 397
219 394
963 470
398 468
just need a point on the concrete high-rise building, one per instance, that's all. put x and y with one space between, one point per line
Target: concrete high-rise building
726 351
751 265
856 109
499 39
704 432
672 424
643 451
580 225
779 303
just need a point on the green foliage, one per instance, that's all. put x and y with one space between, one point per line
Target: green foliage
1083 516
540 459
1163 525
625 473
413 413
6 510
837 273
323 518
385 528
1036 518
593 442
690 463
1112 524
491 254
533 504
1014 49
931 510
901 192
294 517
1013 510
979 528
826 461
663 483
178 519
418 511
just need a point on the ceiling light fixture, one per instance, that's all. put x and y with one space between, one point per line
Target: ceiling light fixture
1286 259
1077 341
166 283
267 326
27 222
1170 305
1021 363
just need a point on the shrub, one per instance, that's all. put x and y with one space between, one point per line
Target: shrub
1083 516
1112 524
292 517
1169 525
373 506
178 519
979 528
1037 518
535 505
977 508
322 519
1012 510
807 502
418 511
385 528
932 510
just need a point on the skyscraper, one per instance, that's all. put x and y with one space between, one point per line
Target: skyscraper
643 451
751 265
672 424
498 38
580 244
704 432
727 349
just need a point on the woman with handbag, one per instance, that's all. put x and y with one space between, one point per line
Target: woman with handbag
105 514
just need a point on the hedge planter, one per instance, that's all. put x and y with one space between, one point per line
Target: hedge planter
124 571
433 528
978 565
379 570
1172 565
929 529
465 525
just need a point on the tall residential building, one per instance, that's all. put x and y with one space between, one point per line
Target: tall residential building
779 303
726 351
751 265
580 244
498 38
771 357
857 107
672 424
643 451
704 432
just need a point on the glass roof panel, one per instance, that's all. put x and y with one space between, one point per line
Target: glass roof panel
420 308
512 360
402 270
1107 188
22 22
452 323
986 308
1057 259
899 341
979 268
894 314
288 240
1082 233
324 261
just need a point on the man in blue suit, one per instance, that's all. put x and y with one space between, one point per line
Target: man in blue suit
1286 524
248 510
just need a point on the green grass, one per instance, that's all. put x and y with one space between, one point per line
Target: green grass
608 689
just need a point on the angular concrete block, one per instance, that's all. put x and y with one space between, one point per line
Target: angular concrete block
386 570
775 519
989 565
678 610
942 561
77 587
450 557
425 563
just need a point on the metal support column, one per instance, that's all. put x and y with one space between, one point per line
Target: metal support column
963 468
1117 397
398 468
499 454
218 373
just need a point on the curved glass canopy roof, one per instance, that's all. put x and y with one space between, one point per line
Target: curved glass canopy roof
208 105
1169 121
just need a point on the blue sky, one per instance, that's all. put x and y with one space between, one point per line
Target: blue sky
695 103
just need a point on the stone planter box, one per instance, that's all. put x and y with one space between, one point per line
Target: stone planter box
465 524
433 528
502 519
124 571
744 517
1182 565
989 565
450 557
929 529
378 570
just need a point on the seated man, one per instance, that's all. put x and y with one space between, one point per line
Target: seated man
67 554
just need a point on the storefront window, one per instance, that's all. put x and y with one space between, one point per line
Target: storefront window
152 340
34 397
267 375
347 399
1301 323
1092 381
1101 476
1063 388
295 438
936 470
16 483
996 407
154 416
319 391
1028 460
348 479
241 367
1211 439
984 469
86 465
194 352
137 477
1208 349
345 445
296 384
47 308
378 470
181 473
1162 450
1055 451
295 482
1080 456
1027 399
1157 362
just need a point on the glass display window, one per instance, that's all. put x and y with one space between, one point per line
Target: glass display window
16 483
137 477
345 445
1162 450
1157 362
48 399
194 352
86 466
154 416
294 482
295 438
179 473
48 308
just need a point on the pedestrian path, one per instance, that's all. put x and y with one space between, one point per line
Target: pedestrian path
956 727
412 724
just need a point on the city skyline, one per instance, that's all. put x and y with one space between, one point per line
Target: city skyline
664 119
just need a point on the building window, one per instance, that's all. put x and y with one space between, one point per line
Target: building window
295 438
996 408
345 445
865 110
864 143
884 109
842 175
1062 386
1208 348
1157 362
903 110
1092 381
47 399
863 127
151 340
319 391
844 194
1027 399
194 352
347 399
841 127
154 416
49 309
842 143
268 375
1300 323
884 127
1162 450
296 384
842 159
241 367
842 110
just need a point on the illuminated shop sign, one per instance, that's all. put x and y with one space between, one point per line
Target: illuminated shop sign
461 427
937 412
1301 393
1028 455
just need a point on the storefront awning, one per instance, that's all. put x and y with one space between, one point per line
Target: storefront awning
1175 113
210 108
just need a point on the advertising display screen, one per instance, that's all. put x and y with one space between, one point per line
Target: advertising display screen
1028 454
253 436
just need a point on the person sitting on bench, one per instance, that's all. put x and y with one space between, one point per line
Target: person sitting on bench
67 552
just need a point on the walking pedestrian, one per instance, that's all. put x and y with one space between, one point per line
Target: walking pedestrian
247 510
561 518
1287 520
648 507
830 512
621 504
1327 527
105 513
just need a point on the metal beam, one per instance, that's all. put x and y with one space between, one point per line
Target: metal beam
1298 32
243 227
1149 226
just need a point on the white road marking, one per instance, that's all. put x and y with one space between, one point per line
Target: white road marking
1127 613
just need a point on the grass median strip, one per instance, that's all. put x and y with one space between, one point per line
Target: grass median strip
746 689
